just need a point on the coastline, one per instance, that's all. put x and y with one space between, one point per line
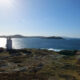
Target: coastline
37 64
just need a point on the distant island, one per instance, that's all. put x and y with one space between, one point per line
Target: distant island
43 37
13 36
53 37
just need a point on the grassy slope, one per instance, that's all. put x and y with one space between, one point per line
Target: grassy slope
29 64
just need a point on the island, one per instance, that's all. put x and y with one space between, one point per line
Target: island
53 37
42 37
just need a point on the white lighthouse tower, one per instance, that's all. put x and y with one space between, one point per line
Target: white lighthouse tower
9 43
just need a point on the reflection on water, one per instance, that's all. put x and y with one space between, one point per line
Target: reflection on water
19 43
3 42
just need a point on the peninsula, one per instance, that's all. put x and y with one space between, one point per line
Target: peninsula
42 37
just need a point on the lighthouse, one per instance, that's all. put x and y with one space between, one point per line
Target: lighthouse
9 43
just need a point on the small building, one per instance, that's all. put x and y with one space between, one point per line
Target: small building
9 43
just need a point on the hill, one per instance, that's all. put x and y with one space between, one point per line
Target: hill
21 36
36 64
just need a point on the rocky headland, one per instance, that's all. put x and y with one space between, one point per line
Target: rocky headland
37 64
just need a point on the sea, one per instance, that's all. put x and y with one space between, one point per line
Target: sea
43 43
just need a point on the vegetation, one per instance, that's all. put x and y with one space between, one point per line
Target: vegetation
68 52
36 64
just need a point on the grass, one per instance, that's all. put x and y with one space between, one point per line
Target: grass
38 64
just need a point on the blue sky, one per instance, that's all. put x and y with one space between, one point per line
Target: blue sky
40 17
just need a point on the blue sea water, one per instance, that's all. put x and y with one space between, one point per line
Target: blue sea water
51 44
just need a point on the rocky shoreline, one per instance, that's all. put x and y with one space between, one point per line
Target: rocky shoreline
30 64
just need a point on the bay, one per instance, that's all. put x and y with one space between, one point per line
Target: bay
39 43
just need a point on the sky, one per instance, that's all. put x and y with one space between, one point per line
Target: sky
40 17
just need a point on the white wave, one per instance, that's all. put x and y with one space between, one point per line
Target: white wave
57 50
52 49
